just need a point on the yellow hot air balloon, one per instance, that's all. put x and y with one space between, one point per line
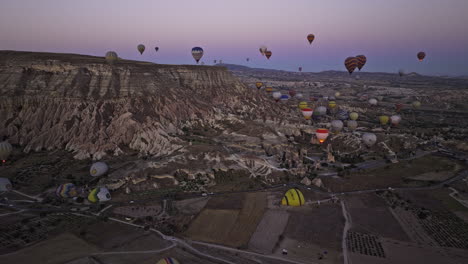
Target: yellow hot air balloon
293 197
353 116
383 119
332 104
259 85
303 105
416 104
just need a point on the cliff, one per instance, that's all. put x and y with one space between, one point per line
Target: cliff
81 104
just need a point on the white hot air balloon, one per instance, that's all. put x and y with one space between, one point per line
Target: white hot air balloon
98 169
352 124
307 113
395 119
373 101
321 110
277 95
337 126
5 185
321 134
369 139
299 95
337 94
5 150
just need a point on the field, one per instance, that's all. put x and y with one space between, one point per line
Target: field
57 250
229 227
268 231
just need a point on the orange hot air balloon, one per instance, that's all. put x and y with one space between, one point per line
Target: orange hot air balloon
421 55
259 85
268 54
351 63
361 61
310 38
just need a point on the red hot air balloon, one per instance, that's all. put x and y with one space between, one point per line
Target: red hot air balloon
361 61
292 93
421 55
268 54
351 63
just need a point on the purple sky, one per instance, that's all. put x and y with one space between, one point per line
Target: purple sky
388 32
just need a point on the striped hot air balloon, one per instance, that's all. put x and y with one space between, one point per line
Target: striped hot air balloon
269 89
268 54
310 38
293 197
351 63
197 53
168 261
66 190
361 61
421 55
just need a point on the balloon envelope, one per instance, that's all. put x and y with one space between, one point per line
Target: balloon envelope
111 57
321 134
141 48
197 53
421 55
5 150
268 54
361 61
353 116
310 38
351 63
369 139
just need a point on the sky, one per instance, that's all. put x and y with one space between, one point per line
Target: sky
389 32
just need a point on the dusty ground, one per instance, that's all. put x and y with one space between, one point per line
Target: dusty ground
305 251
268 231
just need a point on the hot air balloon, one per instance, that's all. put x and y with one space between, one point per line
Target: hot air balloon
168 261
5 150
268 54
336 126
100 194
156 49
321 110
263 49
292 93
284 97
353 116
383 119
303 105
398 107
141 48
307 113
98 169
380 97
337 94
259 85
342 114
332 104
300 69
416 104
269 89
293 197
197 53
299 95
401 72
369 139
361 61
111 57
395 119
421 55
214 61
321 134
5 185
277 96
66 190
310 38
352 124
351 63
373 101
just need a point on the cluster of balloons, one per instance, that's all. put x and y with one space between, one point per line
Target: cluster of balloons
351 63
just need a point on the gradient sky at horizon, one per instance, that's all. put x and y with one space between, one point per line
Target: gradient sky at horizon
389 33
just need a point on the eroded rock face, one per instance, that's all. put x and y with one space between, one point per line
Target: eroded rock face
79 103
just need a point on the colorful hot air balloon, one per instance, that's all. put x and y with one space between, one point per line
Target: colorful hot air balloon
300 69
336 126
141 48
307 113
351 63
111 57
268 54
156 49
383 119
361 61
421 55
292 93
66 190
321 134
332 104
293 197
269 89
259 85
303 105
277 96
5 150
197 53
369 139
353 116
99 195
352 124
373 101
168 261
262 49
310 38
98 169
395 119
